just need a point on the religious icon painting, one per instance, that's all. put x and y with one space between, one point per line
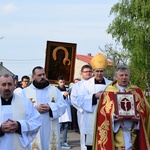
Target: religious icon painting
125 105
60 61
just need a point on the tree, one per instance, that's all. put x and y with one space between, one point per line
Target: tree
131 27
117 56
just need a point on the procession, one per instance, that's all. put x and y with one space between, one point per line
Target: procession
65 83
37 115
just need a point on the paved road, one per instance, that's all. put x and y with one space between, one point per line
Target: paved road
73 140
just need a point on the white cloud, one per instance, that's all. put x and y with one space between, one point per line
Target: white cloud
8 8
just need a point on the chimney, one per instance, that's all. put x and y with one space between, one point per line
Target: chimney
89 54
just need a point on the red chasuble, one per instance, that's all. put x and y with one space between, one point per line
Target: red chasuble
104 136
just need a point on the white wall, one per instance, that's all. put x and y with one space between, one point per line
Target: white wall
78 65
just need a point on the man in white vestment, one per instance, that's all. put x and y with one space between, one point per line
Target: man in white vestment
19 120
86 73
49 102
91 91
25 81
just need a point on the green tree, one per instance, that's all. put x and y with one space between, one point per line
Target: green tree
131 27
115 55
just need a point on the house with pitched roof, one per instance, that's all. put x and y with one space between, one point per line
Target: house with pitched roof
4 70
83 60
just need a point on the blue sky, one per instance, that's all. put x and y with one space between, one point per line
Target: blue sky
26 26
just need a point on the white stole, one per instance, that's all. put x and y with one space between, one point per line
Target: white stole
93 88
18 113
91 116
54 143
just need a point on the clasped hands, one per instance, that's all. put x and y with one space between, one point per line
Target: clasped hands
135 118
9 126
42 108
98 94
66 93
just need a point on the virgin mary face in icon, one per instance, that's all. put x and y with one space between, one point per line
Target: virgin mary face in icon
60 55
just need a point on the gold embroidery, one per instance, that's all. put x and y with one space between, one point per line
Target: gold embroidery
32 100
35 145
53 141
103 132
103 129
108 107
141 104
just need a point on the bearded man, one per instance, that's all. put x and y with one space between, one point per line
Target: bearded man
49 102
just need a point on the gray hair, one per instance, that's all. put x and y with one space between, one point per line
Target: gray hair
121 68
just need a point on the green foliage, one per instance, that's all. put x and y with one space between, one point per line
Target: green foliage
131 27
115 55
137 77
109 72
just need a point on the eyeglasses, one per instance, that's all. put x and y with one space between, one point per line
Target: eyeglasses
25 81
99 71
87 71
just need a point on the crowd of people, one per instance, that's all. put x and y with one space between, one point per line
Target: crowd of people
109 114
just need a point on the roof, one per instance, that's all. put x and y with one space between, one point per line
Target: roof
4 70
87 59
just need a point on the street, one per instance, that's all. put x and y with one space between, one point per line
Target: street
73 140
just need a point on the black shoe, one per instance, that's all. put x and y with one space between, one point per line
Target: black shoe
77 130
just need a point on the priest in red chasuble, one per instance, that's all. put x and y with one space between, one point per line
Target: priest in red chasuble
123 116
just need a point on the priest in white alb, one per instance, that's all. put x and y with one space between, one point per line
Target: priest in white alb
91 91
50 103
19 120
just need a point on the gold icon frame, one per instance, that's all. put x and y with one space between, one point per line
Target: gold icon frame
66 68
125 105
